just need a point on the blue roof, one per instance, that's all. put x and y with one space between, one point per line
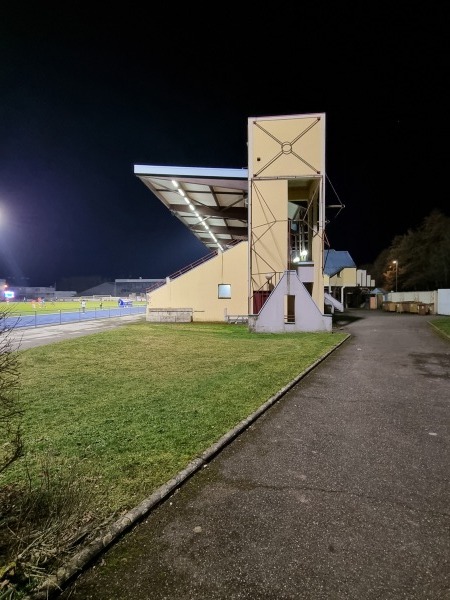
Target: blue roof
336 260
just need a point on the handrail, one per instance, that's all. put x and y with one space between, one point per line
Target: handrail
192 265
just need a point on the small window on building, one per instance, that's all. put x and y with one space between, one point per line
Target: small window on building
224 290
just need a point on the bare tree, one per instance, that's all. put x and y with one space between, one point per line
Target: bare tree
11 443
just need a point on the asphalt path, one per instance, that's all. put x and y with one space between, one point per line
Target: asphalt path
339 491
29 337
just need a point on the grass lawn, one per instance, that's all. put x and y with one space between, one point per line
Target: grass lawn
112 416
443 324
128 408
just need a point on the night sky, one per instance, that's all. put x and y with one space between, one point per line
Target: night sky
87 94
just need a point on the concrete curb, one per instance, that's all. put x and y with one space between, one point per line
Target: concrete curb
80 561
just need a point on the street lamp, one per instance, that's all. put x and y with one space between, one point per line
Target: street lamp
396 272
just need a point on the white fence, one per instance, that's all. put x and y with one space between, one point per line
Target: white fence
443 303
439 299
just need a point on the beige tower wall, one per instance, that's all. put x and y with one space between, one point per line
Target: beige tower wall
291 146
198 289
318 289
268 226
284 151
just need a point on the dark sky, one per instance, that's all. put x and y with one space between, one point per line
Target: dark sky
86 93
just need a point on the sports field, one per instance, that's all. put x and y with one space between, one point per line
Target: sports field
50 306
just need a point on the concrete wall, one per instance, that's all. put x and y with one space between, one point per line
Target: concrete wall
161 315
272 317
361 278
438 300
197 289
425 297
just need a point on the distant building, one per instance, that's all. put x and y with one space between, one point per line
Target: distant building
21 293
122 287
345 283
125 287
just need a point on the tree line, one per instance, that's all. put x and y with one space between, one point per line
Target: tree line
417 260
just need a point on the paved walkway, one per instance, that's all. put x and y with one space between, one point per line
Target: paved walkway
24 338
339 491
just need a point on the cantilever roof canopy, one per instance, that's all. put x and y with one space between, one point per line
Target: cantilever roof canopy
212 203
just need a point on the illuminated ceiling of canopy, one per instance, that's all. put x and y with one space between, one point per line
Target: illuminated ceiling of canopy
212 203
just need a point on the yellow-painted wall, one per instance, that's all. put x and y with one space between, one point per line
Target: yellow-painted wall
347 278
198 288
269 226
317 255
286 146
283 150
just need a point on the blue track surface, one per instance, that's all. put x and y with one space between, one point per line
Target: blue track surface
39 319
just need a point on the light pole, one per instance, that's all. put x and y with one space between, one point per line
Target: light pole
396 272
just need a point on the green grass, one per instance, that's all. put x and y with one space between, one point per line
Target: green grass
27 308
132 406
112 416
443 324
